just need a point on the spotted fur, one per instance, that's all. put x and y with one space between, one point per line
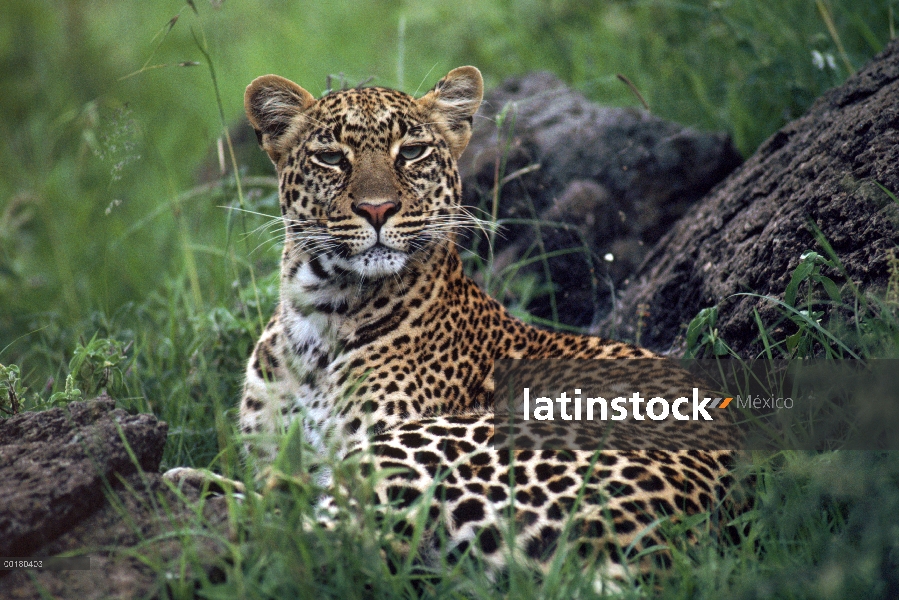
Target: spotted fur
382 345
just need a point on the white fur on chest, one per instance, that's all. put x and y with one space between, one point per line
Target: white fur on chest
312 356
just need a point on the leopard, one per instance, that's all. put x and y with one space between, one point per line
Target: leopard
381 347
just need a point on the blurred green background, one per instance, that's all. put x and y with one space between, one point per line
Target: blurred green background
112 203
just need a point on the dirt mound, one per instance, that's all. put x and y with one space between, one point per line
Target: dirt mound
70 483
613 180
824 171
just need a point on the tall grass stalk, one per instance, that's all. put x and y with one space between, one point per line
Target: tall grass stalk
226 134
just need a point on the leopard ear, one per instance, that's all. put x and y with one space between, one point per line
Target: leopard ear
272 103
452 105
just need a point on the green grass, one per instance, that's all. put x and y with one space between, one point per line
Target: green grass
122 267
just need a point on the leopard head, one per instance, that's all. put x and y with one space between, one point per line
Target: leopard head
367 176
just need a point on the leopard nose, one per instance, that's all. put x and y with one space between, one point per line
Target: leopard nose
376 214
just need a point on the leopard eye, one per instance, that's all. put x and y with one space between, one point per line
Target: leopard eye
330 158
412 152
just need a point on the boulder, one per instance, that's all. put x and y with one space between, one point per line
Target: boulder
831 171
69 483
54 466
607 184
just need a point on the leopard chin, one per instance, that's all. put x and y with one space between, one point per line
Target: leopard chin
377 262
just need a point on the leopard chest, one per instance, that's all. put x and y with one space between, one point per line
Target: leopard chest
350 388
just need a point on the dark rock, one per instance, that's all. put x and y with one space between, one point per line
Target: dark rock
68 483
140 521
826 169
615 179
54 464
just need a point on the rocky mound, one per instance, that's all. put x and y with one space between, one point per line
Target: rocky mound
829 171
84 479
606 184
